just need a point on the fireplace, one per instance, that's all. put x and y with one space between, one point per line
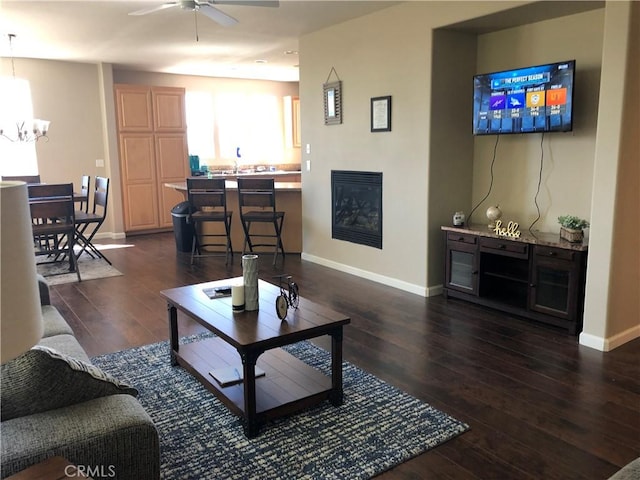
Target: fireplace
356 212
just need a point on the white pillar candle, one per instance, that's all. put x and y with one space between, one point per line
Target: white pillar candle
237 297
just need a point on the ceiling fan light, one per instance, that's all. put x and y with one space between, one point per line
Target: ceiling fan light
189 5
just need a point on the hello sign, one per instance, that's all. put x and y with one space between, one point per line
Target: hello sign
510 231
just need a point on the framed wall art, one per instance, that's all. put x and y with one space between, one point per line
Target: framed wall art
381 114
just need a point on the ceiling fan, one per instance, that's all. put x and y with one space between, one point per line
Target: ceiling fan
208 9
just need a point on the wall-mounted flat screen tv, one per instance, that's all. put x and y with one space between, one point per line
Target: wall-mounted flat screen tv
524 100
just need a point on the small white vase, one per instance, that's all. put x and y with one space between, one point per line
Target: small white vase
458 219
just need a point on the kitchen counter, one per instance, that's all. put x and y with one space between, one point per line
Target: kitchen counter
288 200
293 175
233 185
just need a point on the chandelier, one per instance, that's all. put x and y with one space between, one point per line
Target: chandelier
22 133
22 129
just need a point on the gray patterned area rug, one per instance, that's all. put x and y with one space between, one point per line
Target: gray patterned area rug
90 269
376 428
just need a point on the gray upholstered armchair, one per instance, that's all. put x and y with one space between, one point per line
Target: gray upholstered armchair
56 403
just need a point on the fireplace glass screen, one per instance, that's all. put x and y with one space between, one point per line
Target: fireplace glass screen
357 207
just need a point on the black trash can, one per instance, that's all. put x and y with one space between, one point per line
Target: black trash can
182 230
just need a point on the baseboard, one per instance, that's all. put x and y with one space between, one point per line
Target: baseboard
433 291
608 344
375 277
110 235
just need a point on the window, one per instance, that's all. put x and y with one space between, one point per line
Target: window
16 158
218 126
200 125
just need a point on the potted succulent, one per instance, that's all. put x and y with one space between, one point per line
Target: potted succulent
571 228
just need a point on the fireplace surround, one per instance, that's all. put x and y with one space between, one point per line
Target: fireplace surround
356 207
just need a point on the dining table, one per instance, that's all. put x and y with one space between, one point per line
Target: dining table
77 197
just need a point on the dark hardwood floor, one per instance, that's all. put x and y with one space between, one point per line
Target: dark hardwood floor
539 405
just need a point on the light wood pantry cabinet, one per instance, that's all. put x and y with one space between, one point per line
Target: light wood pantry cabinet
152 138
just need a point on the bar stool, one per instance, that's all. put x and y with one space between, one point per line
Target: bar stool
208 204
260 192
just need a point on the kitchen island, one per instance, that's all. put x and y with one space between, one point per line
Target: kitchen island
288 200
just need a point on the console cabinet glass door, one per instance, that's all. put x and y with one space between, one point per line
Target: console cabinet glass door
555 282
462 268
552 288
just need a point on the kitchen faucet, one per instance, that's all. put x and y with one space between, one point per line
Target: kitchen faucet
236 163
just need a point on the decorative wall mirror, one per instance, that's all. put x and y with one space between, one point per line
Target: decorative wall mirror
332 103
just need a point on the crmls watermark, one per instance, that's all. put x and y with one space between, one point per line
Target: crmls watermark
93 471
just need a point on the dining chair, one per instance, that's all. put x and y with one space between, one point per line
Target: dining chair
22 178
83 199
208 205
53 222
88 223
257 204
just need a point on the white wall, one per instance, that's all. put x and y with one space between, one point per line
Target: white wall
624 299
450 146
69 95
613 268
66 94
385 53
428 158
567 158
390 53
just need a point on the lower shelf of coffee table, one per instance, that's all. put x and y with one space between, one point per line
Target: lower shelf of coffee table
288 385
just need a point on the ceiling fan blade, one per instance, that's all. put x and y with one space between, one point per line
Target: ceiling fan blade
145 11
250 3
217 15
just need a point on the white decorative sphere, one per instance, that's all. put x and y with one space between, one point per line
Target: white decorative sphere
494 213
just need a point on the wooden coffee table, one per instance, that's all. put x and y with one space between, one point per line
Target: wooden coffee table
248 339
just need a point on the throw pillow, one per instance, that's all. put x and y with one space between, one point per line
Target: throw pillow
44 379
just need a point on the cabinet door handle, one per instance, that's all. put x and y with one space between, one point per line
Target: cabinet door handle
461 239
552 254
502 246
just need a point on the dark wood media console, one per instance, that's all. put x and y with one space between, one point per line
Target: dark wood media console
538 277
